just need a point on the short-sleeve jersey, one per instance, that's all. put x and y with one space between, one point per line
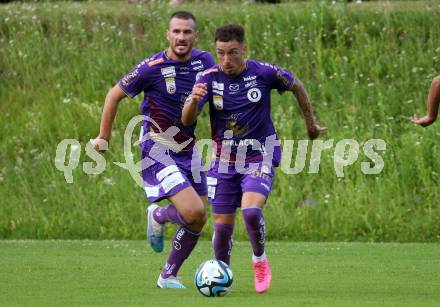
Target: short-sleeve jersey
166 83
242 105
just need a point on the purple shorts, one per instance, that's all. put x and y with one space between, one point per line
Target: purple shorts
167 174
225 190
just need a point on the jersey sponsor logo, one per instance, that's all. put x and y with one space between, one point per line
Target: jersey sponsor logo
198 68
171 85
218 86
218 102
196 62
168 71
217 92
232 124
184 70
249 78
251 84
254 94
238 143
234 87
154 62
129 77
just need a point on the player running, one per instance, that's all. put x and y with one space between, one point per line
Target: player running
167 147
238 92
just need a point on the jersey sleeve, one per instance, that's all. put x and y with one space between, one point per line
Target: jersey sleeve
137 80
279 78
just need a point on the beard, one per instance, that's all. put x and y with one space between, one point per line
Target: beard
182 51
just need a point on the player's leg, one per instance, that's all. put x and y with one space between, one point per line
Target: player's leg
191 214
224 195
222 237
252 210
165 180
256 188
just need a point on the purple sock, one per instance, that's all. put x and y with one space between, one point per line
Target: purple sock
170 214
183 243
222 241
256 228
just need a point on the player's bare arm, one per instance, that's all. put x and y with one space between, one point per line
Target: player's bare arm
190 109
112 99
313 129
432 105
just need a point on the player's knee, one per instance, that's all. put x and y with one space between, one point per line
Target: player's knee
199 215
251 218
196 215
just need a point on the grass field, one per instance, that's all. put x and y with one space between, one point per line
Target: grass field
123 273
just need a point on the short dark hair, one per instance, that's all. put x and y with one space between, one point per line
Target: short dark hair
183 15
229 33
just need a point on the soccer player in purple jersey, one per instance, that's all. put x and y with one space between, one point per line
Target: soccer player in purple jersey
238 92
432 105
166 79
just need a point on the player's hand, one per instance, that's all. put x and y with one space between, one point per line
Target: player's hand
424 121
99 144
315 130
198 92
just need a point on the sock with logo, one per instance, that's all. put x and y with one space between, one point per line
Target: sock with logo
222 241
256 229
170 214
183 243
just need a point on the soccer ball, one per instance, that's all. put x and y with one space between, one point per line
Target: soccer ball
213 278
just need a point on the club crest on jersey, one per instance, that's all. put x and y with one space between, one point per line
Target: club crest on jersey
254 94
171 85
218 102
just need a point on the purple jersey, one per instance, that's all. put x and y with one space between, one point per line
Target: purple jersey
166 83
242 105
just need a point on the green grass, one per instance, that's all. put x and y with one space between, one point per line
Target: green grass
123 273
367 68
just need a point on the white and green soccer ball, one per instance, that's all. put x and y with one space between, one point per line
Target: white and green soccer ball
213 278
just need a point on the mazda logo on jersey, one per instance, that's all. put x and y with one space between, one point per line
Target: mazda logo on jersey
234 87
254 94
